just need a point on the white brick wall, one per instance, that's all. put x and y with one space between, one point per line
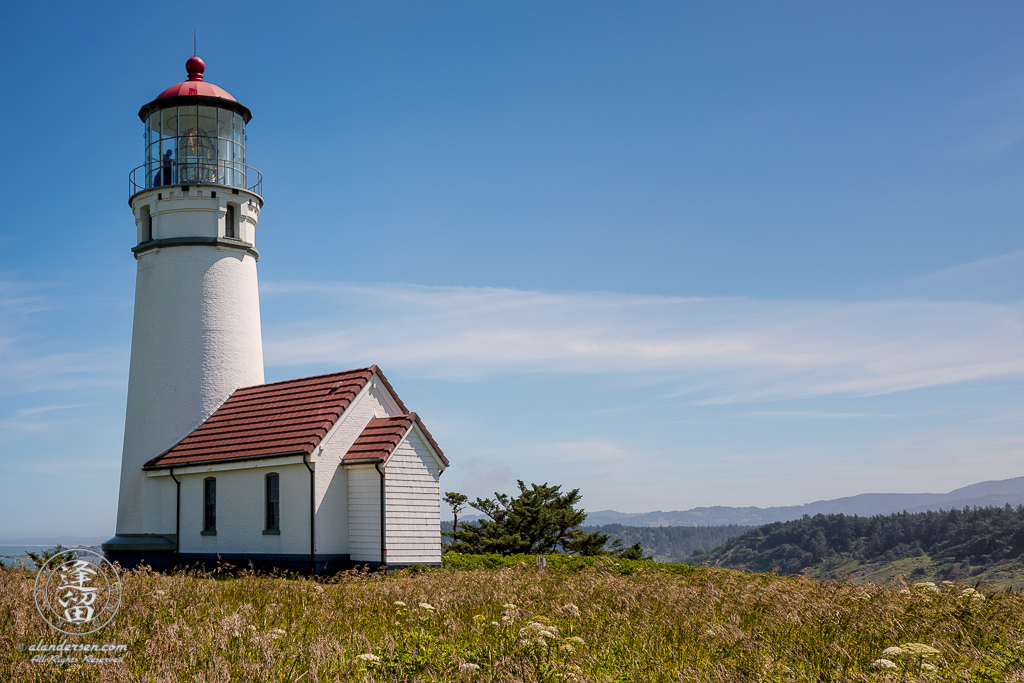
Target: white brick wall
332 481
240 511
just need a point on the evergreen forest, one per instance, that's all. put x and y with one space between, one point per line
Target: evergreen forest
982 544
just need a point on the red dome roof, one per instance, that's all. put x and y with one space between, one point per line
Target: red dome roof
196 85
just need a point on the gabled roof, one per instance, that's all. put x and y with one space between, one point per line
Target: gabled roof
271 420
382 435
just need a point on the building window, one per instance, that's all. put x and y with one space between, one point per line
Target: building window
147 225
210 506
229 222
273 504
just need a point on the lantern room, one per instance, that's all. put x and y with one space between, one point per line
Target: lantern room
195 135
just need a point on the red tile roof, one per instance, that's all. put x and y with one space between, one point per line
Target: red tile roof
382 435
269 420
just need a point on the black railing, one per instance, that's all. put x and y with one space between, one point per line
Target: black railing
166 174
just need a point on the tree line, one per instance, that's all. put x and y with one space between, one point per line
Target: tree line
543 520
971 536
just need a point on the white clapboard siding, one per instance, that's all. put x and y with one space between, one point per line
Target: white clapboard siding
363 513
413 495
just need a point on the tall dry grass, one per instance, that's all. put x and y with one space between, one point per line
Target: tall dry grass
525 624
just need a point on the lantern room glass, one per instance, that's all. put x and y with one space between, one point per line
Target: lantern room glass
195 145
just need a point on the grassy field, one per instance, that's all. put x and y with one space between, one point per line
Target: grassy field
609 621
1006 574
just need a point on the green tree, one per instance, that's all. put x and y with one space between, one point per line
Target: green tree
457 501
39 559
540 520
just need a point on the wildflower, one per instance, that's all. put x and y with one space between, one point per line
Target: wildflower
277 633
399 603
468 666
506 619
972 594
159 593
509 605
524 643
920 649
884 664
571 609
575 639
566 647
894 650
904 591
926 587
929 667
494 623
368 658
427 606
479 618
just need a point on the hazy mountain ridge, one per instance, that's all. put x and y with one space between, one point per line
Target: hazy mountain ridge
982 494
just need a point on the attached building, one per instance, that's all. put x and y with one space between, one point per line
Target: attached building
331 470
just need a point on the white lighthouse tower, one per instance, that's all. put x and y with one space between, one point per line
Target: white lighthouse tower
196 332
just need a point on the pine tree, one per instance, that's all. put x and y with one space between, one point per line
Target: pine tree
541 520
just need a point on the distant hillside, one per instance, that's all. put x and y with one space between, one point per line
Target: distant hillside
670 543
666 544
984 494
982 544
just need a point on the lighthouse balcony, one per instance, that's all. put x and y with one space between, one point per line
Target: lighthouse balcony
229 174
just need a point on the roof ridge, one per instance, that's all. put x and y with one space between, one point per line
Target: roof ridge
296 379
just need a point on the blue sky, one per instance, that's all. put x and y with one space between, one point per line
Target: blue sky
672 254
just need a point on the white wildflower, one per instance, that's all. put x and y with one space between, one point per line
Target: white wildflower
884 664
368 658
159 593
575 639
468 666
277 633
506 619
427 606
509 605
972 594
927 587
920 649
524 643
904 591
929 667
398 603
894 650
566 647
494 623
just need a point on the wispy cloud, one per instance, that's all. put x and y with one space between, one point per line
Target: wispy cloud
34 358
718 349
812 414
39 420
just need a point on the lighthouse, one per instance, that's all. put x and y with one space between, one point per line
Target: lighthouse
315 473
196 329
